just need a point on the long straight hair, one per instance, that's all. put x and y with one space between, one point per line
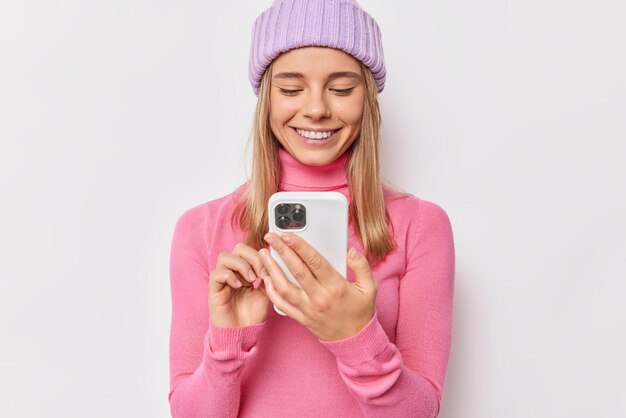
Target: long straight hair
367 209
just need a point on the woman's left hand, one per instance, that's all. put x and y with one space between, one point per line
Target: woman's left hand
327 304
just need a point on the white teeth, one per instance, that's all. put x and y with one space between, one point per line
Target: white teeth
315 135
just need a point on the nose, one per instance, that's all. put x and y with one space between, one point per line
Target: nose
316 107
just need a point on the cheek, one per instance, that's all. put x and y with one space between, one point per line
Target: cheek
351 111
281 111
351 115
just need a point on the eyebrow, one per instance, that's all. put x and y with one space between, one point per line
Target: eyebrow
332 76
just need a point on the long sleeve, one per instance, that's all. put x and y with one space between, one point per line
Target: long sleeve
205 361
406 379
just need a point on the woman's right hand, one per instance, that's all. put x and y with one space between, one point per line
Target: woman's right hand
233 301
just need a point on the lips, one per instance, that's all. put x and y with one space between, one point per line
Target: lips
316 129
316 135
315 141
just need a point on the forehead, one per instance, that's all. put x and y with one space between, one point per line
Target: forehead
315 61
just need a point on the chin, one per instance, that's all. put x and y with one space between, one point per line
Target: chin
316 157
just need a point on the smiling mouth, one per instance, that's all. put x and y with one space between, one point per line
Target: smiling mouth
315 135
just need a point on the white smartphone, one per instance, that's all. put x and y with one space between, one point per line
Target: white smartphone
320 218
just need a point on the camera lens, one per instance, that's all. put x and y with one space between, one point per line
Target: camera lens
282 209
298 215
283 222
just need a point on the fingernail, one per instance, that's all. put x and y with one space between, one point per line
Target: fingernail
251 275
353 253
238 283
262 254
264 271
286 238
269 238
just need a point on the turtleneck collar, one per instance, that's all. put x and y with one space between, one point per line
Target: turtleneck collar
298 176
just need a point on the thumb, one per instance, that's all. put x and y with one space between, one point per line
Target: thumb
364 279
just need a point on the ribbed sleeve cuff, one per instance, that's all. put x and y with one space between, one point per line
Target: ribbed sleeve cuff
232 342
362 347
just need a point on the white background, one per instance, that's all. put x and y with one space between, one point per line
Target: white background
117 116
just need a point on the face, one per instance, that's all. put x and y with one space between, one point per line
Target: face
316 103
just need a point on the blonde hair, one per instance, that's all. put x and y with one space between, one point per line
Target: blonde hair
367 209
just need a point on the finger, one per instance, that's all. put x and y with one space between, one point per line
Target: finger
237 264
364 279
251 256
287 290
221 277
261 287
299 270
277 299
315 262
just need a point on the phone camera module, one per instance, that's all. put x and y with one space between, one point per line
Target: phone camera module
290 215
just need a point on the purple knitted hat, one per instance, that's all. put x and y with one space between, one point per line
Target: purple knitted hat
341 24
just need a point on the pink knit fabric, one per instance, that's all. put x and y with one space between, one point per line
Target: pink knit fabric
394 367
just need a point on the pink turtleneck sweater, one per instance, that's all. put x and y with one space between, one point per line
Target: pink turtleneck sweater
394 367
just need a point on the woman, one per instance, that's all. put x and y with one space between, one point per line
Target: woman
374 345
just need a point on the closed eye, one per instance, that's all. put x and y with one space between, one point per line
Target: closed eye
344 91
288 92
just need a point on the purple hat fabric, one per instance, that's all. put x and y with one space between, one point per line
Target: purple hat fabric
341 24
